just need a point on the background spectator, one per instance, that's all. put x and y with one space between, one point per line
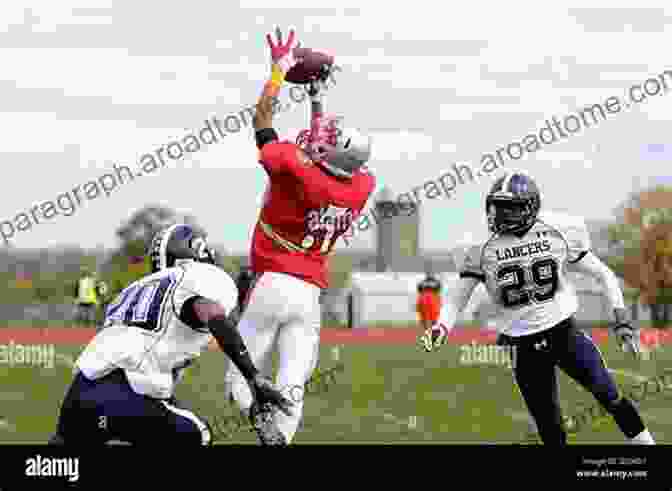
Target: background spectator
88 293
429 301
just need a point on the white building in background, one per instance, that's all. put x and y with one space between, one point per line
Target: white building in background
391 298
383 287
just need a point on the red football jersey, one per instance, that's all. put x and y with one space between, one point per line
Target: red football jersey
304 213
429 306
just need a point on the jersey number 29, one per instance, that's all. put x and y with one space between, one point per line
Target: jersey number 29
522 284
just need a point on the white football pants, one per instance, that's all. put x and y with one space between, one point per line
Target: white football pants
283 315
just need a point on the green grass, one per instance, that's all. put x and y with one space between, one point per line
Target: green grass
382 389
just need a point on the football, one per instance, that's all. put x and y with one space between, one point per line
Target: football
311 65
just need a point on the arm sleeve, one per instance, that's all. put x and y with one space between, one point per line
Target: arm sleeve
264 136
471 266
578 241
223 328
456 300
243 285
589 264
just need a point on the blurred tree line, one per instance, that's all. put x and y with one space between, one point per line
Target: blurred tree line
43 275
129 262
641 250
50 275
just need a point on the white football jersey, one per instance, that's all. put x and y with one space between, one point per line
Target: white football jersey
143 334
526 277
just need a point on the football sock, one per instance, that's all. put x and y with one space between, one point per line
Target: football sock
644 438
627 417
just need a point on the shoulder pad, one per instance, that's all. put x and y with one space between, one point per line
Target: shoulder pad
211 282
562 220
573 230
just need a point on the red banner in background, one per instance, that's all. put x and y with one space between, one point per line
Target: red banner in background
81 336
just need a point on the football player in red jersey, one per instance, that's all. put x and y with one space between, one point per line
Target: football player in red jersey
317 187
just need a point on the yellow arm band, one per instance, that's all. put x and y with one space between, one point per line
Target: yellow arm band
277 75
272 87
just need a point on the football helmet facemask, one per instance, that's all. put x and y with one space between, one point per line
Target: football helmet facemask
177 243
339 149
513 204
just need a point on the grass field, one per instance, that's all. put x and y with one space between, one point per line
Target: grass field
389 392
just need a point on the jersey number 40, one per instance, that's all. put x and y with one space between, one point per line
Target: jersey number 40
140 304
523 284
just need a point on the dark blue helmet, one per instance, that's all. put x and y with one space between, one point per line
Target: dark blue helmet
513 204
429 283
179 242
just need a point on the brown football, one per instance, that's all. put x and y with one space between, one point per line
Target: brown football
311 64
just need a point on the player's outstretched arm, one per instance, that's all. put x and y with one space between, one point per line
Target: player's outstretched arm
457 300
591 265
316 98
263 116
282 60
201 312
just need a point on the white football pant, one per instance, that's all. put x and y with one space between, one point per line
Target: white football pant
283 315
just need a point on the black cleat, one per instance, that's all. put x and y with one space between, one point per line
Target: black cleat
56 439
263 423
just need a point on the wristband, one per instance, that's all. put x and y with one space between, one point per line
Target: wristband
264 136
272 87
277 75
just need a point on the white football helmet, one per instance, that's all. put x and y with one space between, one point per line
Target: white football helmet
340 149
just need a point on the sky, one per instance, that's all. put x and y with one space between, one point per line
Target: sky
90 84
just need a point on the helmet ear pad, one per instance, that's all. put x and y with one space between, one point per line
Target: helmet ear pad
194 247
179 242
202 252
340 150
